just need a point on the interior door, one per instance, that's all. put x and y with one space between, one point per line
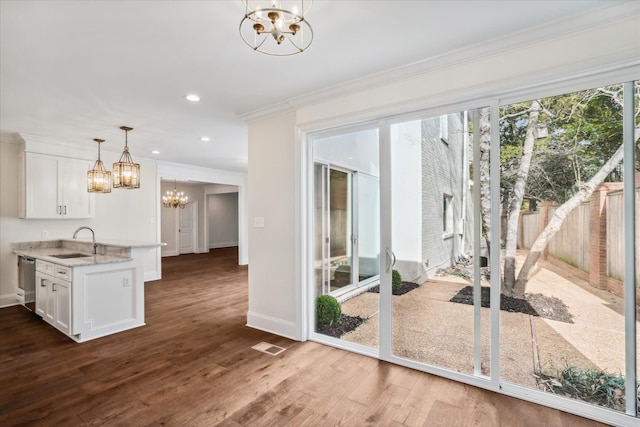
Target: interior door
187 225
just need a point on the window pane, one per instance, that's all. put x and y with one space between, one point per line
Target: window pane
562 320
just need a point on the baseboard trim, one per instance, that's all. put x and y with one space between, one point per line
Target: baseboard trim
273 325
172 252
8 300
150 276
223 245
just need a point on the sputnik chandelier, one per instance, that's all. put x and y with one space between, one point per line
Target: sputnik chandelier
279 30
175 198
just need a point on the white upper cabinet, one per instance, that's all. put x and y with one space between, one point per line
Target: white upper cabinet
55 187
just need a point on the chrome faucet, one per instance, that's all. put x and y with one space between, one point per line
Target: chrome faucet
93 235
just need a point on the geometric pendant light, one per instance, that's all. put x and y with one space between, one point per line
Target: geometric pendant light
98 178
126 173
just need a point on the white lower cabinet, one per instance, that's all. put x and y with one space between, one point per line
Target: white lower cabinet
92 301
53 301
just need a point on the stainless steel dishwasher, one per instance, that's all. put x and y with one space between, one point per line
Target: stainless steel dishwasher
26 294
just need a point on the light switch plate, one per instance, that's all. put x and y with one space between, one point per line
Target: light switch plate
258 222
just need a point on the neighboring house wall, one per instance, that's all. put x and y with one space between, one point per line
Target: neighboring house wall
444 180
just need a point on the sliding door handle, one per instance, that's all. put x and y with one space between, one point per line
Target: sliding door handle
391 259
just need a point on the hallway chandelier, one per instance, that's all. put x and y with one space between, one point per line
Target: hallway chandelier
126 173
175 198
279 30
98 178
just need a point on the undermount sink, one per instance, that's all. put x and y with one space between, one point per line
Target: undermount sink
66 256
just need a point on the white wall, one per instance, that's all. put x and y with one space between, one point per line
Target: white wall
271 183
600 51
222 216
406 187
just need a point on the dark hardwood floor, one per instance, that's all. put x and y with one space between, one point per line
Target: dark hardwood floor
192 364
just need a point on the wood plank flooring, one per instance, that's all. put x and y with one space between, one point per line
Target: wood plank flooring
192 364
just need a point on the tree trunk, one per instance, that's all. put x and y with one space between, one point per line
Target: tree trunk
484 167
560 214
509 277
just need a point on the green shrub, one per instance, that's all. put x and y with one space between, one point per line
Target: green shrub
328 310
396 280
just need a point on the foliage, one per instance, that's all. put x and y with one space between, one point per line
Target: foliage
588 384
582 130
396 280
328 311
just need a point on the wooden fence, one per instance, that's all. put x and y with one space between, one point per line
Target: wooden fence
571 242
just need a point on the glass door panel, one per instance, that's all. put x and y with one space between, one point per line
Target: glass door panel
439 256
368 241
562 324
346 235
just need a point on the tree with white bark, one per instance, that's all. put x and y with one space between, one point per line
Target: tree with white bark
572 118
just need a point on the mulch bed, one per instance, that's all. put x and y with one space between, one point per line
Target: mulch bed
347 324
403 289
534 304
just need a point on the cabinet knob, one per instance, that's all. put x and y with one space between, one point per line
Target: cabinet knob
42 284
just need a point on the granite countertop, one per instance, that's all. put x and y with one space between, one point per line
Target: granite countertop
44 254
108 250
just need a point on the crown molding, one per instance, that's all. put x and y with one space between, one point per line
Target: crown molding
618 11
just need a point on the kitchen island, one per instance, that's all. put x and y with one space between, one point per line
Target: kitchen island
88 289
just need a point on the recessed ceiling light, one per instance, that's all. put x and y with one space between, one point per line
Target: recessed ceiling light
155 152
192 97
205 138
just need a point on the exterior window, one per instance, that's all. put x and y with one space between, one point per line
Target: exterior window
444 129
447 215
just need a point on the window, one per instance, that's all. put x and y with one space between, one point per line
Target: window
447 215
444 129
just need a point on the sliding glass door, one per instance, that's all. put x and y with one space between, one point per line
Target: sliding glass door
495 246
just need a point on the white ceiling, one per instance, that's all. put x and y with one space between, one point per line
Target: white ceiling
71 71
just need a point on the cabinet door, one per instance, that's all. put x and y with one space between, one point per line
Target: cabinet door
41 294
62 296
49 302
76 201
41 186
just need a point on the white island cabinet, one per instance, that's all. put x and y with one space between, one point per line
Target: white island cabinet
90 296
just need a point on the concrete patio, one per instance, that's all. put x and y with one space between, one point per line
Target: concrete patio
430 329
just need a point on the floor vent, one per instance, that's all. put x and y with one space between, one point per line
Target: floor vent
271 349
